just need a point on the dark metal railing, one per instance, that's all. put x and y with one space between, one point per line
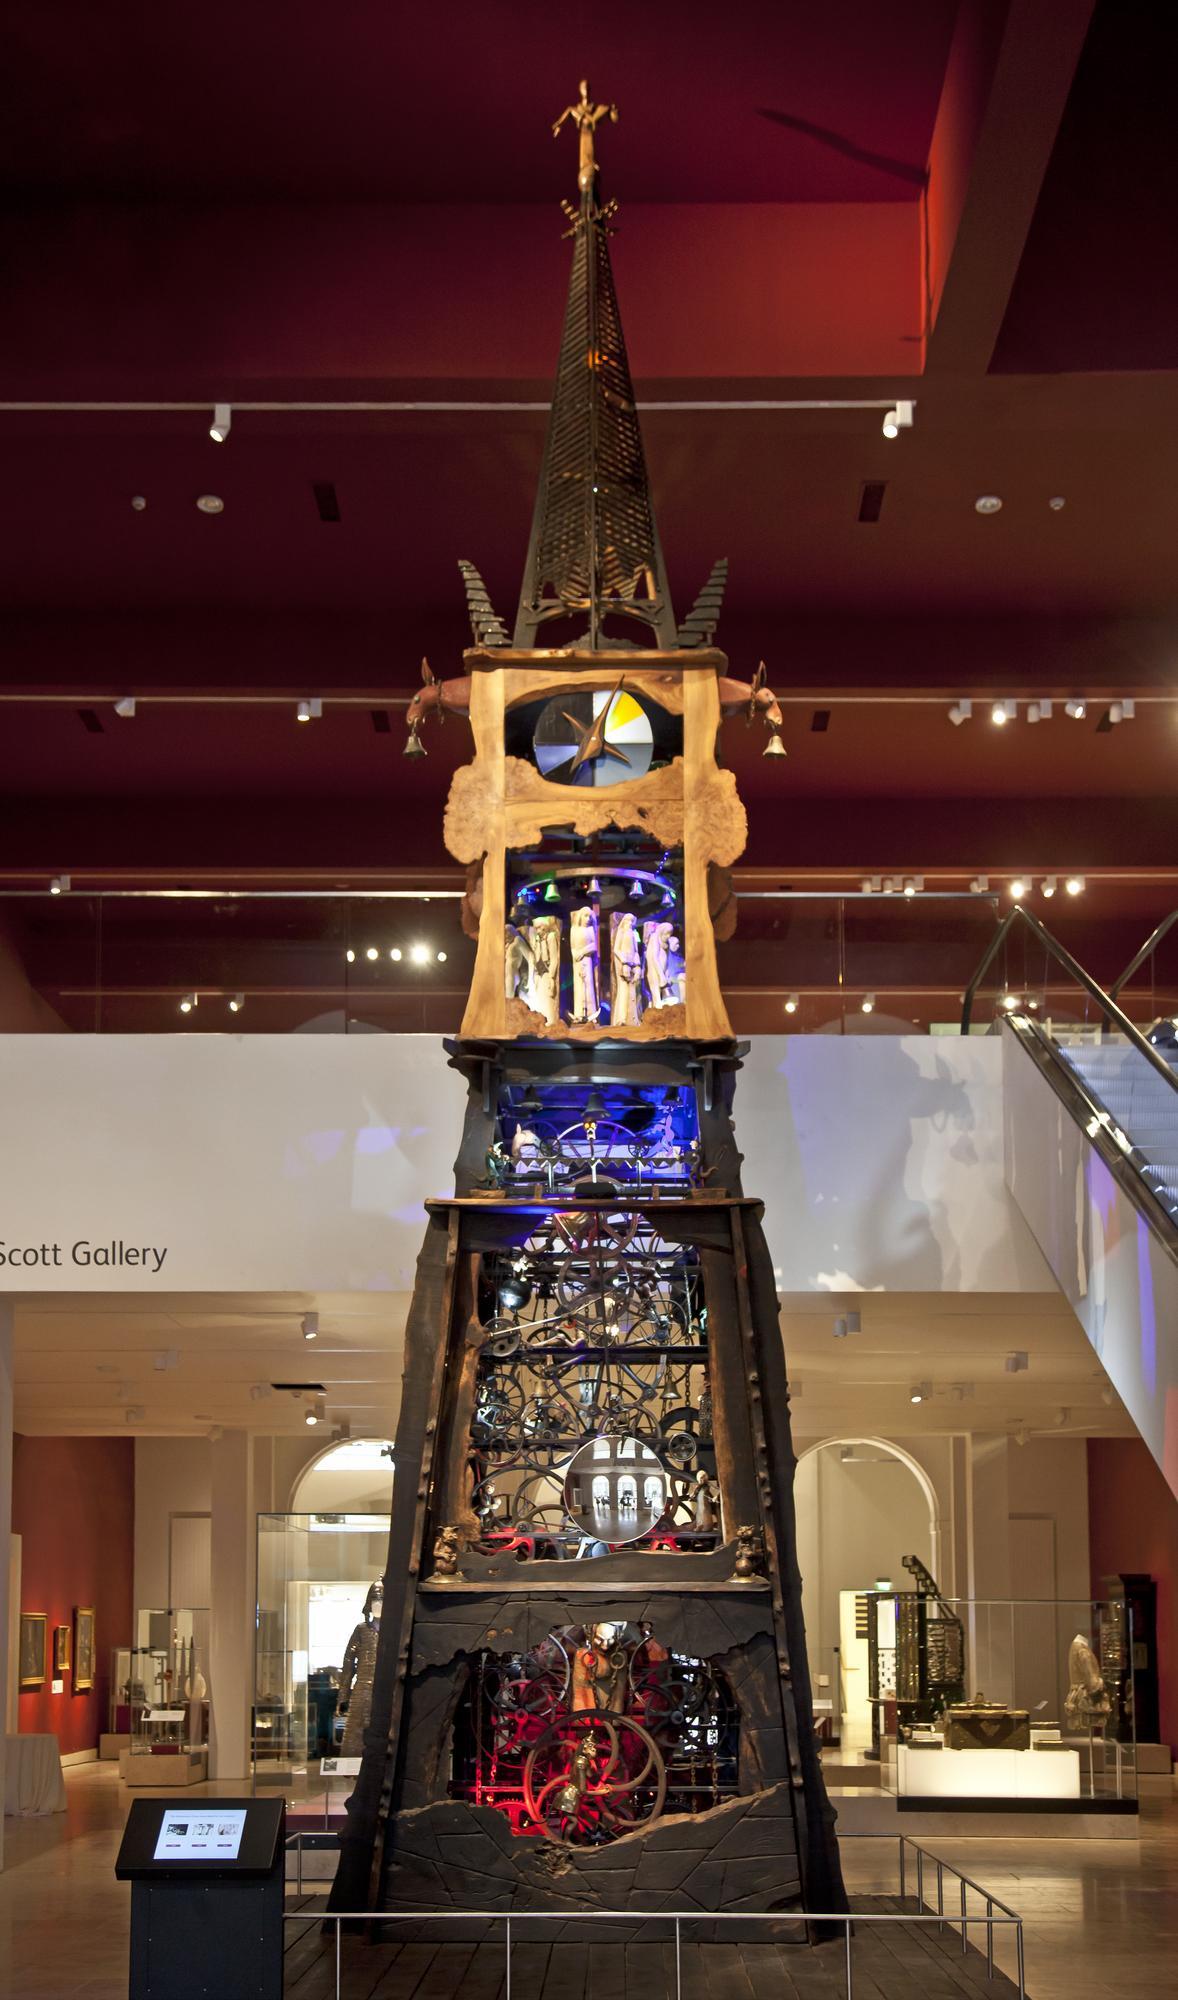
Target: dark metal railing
1138 960
1063 957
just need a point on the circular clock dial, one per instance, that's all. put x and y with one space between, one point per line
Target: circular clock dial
598 738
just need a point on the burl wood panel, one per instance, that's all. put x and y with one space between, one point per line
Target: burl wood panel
500 804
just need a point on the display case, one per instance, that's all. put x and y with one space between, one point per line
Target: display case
316 1625
1004 1701
160 1698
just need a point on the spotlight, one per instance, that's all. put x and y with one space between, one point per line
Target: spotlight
909 886
188 1003
889 885
237 1003
310 709
419 954
396 954
1076 708
1020 888
372 952
1074 885
1122 711
1003 712
1050 885
867 1004
310 1419
980 885
960 712
1010 1002
59 885
441 957
919 1392
350 956
125 707
222 419
310 1326
865 886
791 1005
1039 711
840 1329
898 419
1017 1362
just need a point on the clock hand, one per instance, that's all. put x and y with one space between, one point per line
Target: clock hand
592 742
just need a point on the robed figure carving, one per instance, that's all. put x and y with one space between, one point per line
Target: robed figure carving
626 1005
583 948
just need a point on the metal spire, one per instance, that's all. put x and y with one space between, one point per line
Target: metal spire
594 549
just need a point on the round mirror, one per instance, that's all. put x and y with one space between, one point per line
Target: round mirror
616 1490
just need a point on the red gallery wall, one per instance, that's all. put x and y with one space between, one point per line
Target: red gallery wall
73 1506
1133 1525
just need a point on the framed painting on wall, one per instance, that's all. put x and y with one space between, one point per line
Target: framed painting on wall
34 1627
61 1651
83 1648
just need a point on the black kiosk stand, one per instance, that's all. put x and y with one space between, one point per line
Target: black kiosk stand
207 1884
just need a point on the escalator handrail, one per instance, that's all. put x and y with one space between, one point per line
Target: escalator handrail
1074 970
1151 943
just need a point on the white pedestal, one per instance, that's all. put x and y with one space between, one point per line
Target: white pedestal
988 1774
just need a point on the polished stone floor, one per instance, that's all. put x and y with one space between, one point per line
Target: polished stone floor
1102 1916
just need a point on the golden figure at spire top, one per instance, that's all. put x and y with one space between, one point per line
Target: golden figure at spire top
586 116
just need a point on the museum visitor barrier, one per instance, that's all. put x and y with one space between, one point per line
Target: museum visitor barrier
207 1887
159 1699
975 1702
315 1649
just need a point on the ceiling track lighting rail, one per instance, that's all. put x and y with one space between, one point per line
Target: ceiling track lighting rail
897 410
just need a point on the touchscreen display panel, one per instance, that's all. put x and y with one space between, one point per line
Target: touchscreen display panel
202 1835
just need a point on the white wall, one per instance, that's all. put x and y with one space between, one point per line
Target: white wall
301 1163
880 1158
172 1476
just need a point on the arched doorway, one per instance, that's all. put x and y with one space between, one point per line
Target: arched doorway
354 1476
863 1503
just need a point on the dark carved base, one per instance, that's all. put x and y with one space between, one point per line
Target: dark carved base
740 1855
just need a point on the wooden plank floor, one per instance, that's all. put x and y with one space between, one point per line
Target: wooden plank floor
891 1962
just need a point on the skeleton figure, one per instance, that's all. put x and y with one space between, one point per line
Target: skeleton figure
586 116
517 962
626 1007
355 1696
584 949
544 991
659 983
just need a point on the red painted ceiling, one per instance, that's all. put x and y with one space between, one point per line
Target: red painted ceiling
362 203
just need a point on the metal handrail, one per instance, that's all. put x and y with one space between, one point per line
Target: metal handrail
1075 970
1151 943
997 1913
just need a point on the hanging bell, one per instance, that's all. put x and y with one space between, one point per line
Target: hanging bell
414 746
775 747
594 1108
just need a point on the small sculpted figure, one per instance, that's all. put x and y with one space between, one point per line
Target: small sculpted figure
583 947
544 992
626 1005
517 962
658 978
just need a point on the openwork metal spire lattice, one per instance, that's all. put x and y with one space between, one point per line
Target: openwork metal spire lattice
594 549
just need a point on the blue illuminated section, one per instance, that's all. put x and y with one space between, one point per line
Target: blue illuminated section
572 1136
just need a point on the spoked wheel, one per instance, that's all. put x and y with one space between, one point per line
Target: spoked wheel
593 1776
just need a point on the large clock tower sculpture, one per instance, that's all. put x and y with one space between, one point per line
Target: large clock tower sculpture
591 1689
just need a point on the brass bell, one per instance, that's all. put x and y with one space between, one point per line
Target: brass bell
414 747
775 747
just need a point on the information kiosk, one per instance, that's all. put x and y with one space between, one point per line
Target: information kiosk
206 1897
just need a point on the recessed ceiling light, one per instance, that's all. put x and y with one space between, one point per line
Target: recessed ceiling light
988 503
441 957
210 503
139 503
1057 503
419 954
350 956
396 954
372 952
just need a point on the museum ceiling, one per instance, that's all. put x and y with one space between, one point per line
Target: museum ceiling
967 206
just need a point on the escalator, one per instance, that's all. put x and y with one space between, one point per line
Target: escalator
1090 1118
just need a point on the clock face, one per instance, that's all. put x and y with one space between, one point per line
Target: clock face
593 738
